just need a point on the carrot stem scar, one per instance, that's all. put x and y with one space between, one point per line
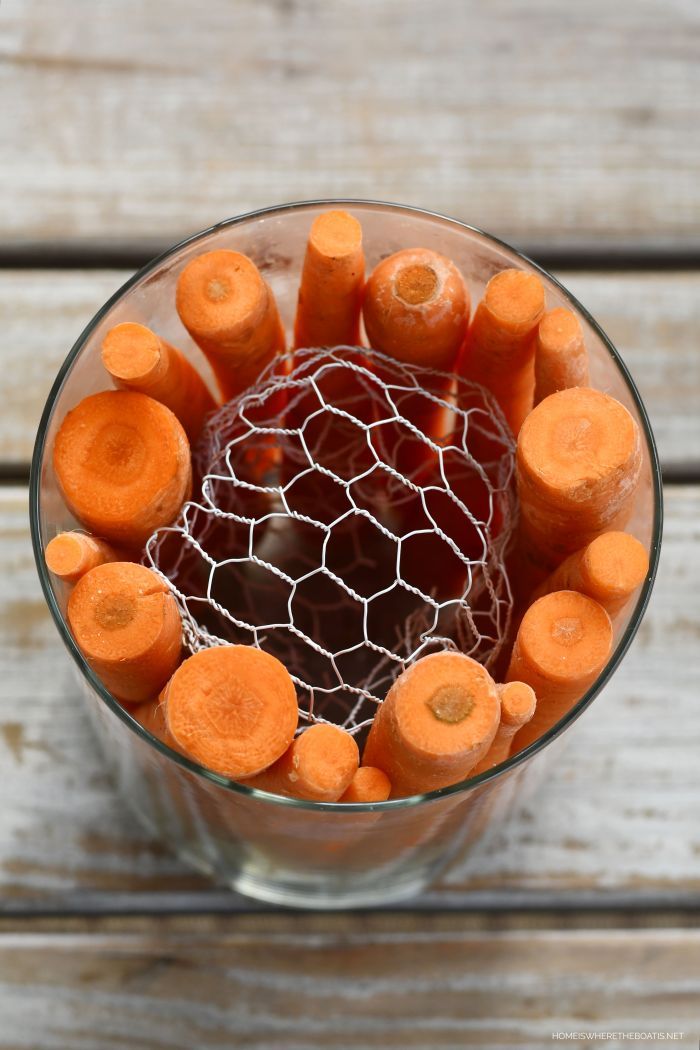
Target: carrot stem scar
232 708
231 314
369 784
318 766
561 360
438 720
137 359
518 702
332 279
500 345
71 554
126 623
122 461
609 569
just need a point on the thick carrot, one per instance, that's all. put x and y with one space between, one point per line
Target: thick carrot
562 645
500 345
369 784
561 360
579 458
233 709
122 461
318 766
332 279
231 314
126 623
517 708
609 569
137 359
71 554
438 720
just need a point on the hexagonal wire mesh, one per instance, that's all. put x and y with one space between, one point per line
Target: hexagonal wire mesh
353 515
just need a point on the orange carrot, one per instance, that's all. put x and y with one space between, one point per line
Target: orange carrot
369 784
122 461
231 314
138 360
318 766
562 645
578 463
500 345
233 709
71 554
517 708
560 354
609 569
126 623
438 720
330 293
151 716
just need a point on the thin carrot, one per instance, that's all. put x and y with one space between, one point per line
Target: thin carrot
517 708
610 568
232 708
369 784
318 766
500 345
122 461
126 623
231 314
562 645
438 720
561 360
332 279
578 463
71 554
137 359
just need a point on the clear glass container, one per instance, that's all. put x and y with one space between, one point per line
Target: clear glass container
319 855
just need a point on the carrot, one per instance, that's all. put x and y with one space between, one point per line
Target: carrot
318 766
330 293
500 344
231 314
562 645
561 360
71 554
517 708
137 359
438 720
578 463
151 715
126 623
609 569
369 784
122 461
233 709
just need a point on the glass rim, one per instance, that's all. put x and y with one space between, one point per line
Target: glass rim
463 786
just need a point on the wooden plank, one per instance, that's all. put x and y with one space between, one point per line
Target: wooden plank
348 984
617 815
653 318
539 121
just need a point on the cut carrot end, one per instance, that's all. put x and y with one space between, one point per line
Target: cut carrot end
71 554
559 331
518 702
369 784
515 299
336 234
615 564
416 284
131 352
324 762
219 293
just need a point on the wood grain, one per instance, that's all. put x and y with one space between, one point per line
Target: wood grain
653 318
617 815
542 122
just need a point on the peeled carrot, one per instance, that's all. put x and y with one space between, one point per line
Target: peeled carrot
330 293
369 784
318 766
561 360
438 720
71 554
517 708
126 623
500 345
122 461
578 459
151 715
609 569
231 314
137 359
233 709
562 645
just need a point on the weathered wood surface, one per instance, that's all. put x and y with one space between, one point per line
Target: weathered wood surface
544 122
416 983
618 814
653 318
